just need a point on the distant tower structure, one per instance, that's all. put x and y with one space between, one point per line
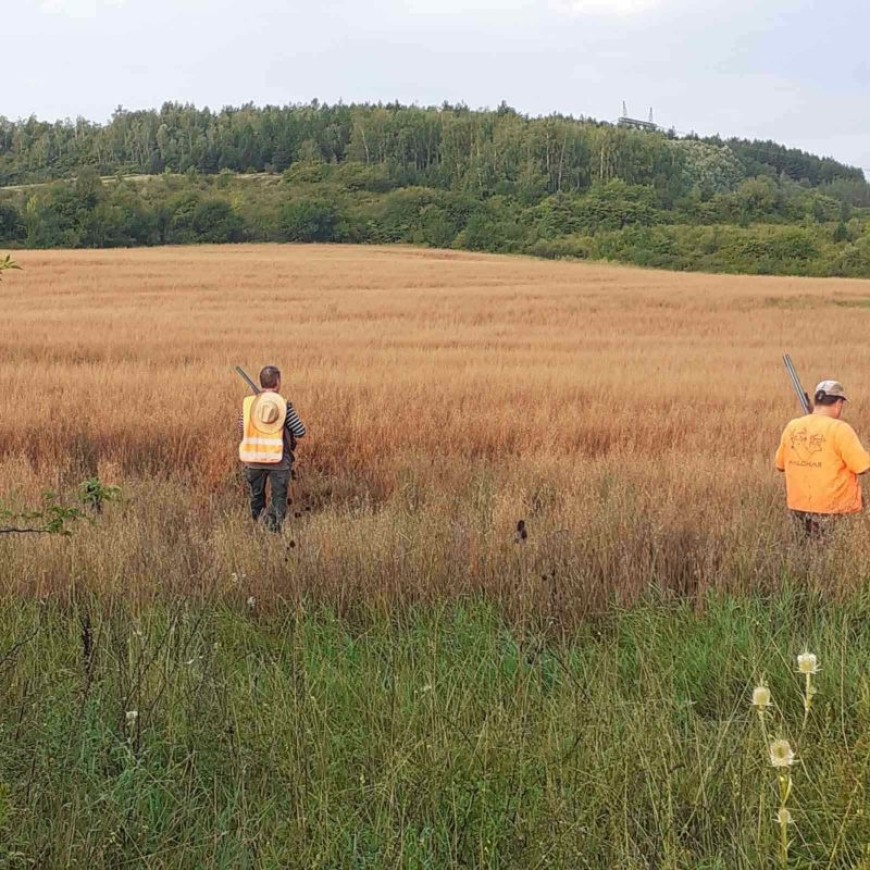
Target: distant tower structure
635 123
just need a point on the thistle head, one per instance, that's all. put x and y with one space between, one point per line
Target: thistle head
781 754
761 697
807 663
783 817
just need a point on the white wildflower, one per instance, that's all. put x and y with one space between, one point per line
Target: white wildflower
761 697
783 817
807 663
781 754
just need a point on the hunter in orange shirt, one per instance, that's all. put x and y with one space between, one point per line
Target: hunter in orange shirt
822 458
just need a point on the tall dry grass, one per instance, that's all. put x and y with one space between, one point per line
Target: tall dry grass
629 417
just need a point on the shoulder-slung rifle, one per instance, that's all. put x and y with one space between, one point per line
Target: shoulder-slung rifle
243 375
802 395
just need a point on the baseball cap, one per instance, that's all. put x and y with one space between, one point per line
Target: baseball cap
834 389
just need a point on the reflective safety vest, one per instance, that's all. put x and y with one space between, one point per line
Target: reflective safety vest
259 446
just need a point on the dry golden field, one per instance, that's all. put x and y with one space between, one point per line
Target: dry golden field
630 417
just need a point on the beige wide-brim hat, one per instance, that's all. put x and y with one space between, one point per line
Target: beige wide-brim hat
268 412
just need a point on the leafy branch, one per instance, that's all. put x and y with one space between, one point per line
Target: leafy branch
93 493
7 263
55 518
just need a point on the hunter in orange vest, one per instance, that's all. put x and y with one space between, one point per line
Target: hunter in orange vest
270 428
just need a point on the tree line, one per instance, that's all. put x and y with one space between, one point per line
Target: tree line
448 177
446 147
763 225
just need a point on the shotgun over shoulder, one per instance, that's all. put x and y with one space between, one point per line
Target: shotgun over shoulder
801 394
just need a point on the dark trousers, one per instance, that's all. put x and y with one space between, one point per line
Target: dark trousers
279 481
816 527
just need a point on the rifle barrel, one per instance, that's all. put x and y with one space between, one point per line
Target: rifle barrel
244 376
801 394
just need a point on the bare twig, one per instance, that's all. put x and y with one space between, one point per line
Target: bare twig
13 650
10 530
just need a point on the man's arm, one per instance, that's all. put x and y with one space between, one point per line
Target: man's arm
857 459
293 424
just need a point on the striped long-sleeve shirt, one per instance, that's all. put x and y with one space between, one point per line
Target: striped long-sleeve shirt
294 429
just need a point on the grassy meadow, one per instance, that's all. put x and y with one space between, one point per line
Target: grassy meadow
398 680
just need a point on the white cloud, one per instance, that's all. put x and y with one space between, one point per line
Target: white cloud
610 8
78 8
466 7
622 8
576 8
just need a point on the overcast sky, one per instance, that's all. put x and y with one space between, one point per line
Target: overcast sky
796 71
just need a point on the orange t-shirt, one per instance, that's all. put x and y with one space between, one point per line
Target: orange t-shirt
821 458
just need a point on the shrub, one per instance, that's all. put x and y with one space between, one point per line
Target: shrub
309 220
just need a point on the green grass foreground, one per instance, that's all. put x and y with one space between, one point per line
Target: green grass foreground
205 736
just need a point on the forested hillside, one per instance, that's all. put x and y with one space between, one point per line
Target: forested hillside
448 177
